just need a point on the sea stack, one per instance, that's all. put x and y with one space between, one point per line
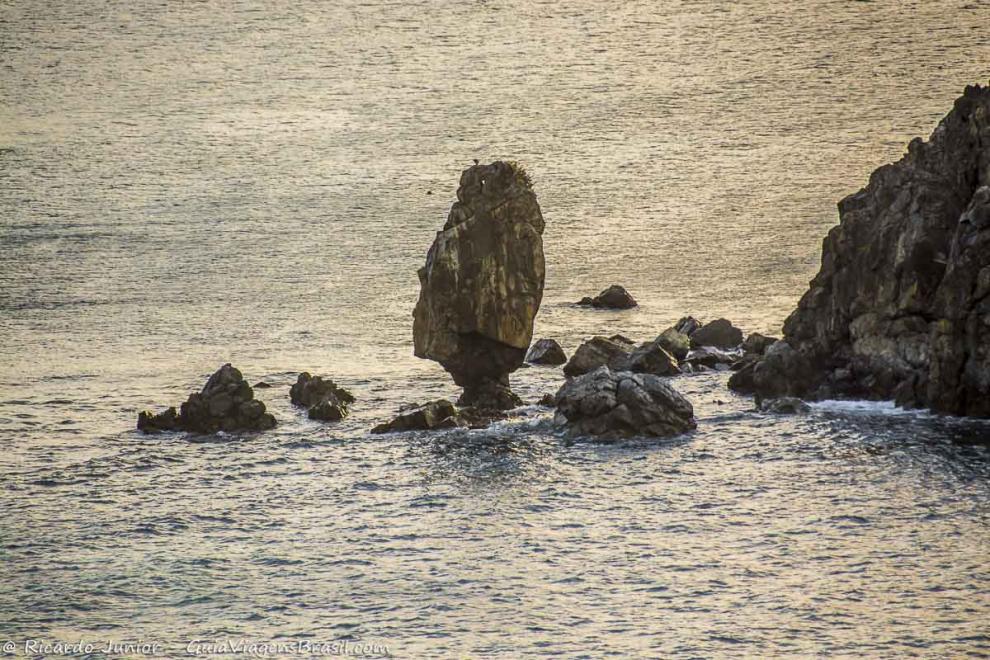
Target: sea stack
482 284
901 306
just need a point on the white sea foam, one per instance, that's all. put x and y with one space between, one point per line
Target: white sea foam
863 407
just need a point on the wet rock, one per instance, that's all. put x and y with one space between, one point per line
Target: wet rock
325 400
309 390
783 371
434 415
675 342
167 420
719 333
226 403
548 401
742 379
623 404
489 395
262 385
757 344
901 298
483 282
713 358
329 409
594 353
787 405
614 297
687 325
650 358
546 351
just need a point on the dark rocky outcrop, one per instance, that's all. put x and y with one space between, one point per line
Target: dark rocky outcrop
622 404
649 357
757 344
325 400
226 403
440 414
719 333
329 409
546 351
687 325
899 308
614 297
309 390
483 283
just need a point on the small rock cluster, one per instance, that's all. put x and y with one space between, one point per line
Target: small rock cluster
614 297
687 347
324 399
226 403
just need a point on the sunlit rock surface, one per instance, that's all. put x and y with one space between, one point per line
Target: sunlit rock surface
483 283
325 400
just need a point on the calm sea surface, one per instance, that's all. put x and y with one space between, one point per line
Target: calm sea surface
184 184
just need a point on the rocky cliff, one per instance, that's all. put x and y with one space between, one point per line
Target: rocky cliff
901 306
483 283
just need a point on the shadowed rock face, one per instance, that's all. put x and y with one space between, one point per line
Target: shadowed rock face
901 304
483 283
622 404
226 403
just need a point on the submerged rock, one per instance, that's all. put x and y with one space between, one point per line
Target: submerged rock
439 414
546 351
622 404
614 297
483 283
719 333
325 400
713 358
787 405
899 307
226 403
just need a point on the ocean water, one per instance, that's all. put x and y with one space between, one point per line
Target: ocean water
188 184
